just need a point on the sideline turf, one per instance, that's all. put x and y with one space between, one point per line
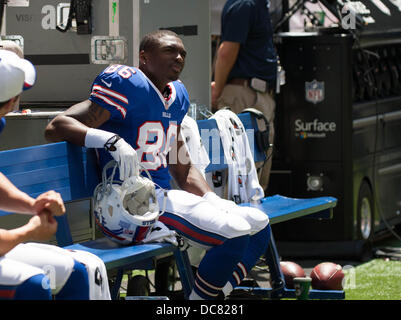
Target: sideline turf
377 279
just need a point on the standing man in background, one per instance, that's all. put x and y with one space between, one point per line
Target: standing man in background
246 65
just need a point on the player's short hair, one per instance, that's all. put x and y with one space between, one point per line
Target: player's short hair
151 40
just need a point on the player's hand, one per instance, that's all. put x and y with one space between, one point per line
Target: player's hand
50 201
42 226
214 96
126 158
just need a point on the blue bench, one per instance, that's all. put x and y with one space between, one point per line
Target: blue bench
72 171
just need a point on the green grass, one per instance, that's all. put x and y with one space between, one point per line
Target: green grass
123 292
377 279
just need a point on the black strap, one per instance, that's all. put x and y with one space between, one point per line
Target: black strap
2 5
257 113
110 144
261 136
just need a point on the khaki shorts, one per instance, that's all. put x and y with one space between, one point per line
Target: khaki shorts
237 98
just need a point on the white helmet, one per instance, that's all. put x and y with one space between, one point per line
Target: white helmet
125 212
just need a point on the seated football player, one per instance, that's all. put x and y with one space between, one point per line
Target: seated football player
135 113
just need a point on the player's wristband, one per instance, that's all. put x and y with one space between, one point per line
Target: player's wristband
96 138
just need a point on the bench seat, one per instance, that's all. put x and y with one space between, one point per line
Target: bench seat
116 256
280 208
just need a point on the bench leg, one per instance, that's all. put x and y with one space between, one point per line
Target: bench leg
276 276
185 271
114 291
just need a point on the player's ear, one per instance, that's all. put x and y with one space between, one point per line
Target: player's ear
9 105
142 57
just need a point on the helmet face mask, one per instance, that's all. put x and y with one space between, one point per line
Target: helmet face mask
125 212
138 196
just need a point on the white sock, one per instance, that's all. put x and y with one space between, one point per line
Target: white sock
227 288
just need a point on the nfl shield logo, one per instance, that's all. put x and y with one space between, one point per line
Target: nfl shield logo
314 91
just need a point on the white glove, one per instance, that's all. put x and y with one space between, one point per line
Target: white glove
126 158
120 150
160 233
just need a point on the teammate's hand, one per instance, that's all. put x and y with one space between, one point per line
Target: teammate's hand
126 158
42 226
50 201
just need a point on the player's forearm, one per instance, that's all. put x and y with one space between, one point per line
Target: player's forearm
73 124
12 199
9 239
191 180
66 128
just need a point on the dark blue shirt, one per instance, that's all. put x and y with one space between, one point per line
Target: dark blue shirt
248 22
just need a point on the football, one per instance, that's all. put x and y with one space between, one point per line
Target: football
327 276
290 271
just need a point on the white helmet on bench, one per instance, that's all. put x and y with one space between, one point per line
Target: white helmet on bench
125 212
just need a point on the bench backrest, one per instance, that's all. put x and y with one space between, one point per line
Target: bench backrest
68 169
73 171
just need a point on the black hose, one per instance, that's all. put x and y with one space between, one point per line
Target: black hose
2 5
